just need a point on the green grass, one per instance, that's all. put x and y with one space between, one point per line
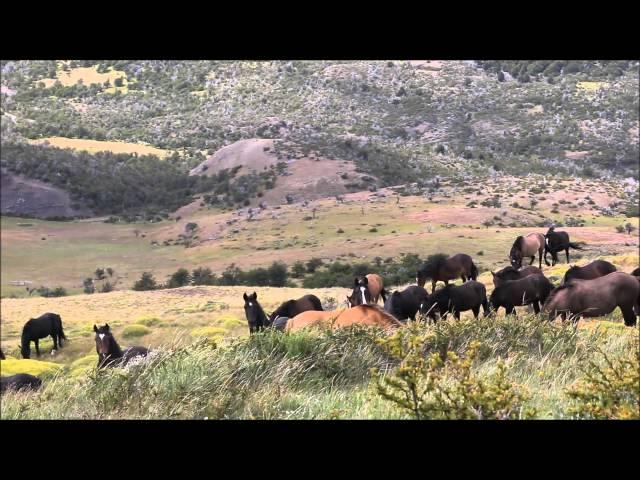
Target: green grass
135 331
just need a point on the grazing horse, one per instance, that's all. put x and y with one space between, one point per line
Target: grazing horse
258 319
367 290
37 328
557 241
533 289
525 247
597 268
440 268
20 381
109 352
405 304
371 315
455 299
596 297
510 273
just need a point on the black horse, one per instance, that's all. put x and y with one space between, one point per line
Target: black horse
2 357
20 381
636 272
511 273
597 268
439 267
454 299
533 289
405 304
258 320
109 352
37 328
555 242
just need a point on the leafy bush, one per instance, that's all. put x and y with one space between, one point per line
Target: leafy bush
146 282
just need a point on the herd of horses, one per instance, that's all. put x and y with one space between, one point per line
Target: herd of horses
594 290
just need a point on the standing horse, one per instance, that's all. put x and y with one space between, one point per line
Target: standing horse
258 319
405 304
20 381
109 352
37 328
367 290
441 268
510 273
597 268
596 297
371 315
527 247
533 289
455 299
556 241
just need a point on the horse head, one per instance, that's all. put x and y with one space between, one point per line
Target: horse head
104 338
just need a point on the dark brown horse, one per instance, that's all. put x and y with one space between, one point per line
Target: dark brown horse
367 290
557 241
109 352
440 268
525 247
596 297
510 273
533 289
597 268
455 299
258 319
636 272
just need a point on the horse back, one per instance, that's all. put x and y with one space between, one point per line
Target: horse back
375 284
310 318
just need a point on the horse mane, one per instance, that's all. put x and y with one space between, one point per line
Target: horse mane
508 269
518 243
551 229
116 347
431 266
284 308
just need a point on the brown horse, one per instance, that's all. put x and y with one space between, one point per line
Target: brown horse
525 247
367 290
371 315
597 268
596 297
510 273
440 268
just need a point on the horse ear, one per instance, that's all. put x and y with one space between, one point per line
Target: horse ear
95 329
355 282
255 296
244 295
106 325
493 274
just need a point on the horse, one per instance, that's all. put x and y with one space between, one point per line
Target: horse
20 381
441 268
597 268
405 304
556 241
511 273
37 328
596 297
455 299
258 320
371 315
109 352
636 272
527 247
2 357
367 290
533 289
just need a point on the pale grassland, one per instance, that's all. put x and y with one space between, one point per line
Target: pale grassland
93 146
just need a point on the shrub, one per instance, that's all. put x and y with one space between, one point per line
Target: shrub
135 331
148 321
146 282
12 366
609 391
180 278
433 388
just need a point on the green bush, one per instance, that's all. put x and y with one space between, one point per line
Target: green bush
135 331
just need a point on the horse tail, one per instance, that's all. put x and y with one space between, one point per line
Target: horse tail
474 271
383 294
577 246
59 328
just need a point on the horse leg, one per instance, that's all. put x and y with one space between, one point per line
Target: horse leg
629 316
476 312
536 307
533 259
510 310
433 285
464 279
55 342
539 259
567 252
36 341
456 314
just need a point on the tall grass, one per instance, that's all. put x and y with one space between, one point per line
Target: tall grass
326 374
